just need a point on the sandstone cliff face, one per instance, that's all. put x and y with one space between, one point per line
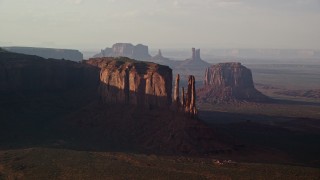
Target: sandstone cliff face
229 82
67 54
229 74
126 81
139 52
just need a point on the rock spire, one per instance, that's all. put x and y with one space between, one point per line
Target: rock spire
196 54
190 106
176 98
187 103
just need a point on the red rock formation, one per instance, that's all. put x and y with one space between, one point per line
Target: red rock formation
188 102
183 99
229 82
190 107
86 123
176 99
229 74
124 80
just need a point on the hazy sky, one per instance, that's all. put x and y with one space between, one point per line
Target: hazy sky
95 24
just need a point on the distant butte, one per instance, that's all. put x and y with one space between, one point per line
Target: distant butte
67 54
138 52
229 82
193 63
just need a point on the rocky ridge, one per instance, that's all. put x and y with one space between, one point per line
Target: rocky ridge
27 73
160 59
67 54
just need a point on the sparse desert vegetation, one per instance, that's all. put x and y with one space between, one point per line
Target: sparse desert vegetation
49 163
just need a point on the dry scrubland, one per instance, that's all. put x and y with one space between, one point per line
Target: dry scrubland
42 163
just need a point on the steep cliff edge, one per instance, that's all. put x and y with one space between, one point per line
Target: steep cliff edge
126 81
227 82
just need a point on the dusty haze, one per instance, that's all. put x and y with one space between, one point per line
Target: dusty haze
94 24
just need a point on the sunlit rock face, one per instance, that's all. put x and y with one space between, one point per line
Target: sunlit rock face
127 81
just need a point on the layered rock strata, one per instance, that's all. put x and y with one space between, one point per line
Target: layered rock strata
229 82
126 81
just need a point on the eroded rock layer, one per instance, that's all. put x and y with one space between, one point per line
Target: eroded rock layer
127 81
229 82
